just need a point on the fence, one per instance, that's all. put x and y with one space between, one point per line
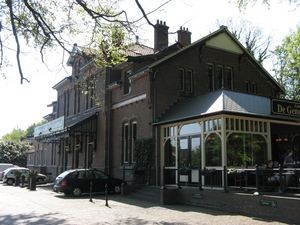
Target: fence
257 179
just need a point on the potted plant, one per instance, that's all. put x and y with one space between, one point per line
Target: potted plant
32 174
233 172
184 170
208 172
17 174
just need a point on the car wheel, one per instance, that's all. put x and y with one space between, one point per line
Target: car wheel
117 189
10 181
76 191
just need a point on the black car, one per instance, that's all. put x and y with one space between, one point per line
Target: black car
78 181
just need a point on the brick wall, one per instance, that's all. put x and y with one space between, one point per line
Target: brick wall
278 208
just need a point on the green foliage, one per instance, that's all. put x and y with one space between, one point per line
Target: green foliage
143 156
32 173
243 4
15 135
17 173
47 24
287 66
30 129
14 152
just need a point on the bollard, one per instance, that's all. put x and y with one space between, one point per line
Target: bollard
200 178
91 190
281 185
257 180
106 195
164 179
124 182
178 178
225 179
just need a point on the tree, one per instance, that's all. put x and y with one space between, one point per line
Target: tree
251 36
30 129
15 135
287 65
14 152
243 4
102 25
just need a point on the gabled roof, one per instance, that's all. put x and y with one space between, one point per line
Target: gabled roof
221 101
221 39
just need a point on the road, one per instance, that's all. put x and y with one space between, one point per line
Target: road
45 207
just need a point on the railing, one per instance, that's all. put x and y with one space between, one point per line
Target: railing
256 179
135 174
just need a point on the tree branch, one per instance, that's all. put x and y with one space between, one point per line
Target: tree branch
9 3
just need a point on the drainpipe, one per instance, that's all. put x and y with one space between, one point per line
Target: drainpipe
108 129
156 132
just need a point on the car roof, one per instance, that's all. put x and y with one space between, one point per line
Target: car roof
15 168
72 170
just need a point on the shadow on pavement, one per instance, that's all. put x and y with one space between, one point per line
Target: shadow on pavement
31 219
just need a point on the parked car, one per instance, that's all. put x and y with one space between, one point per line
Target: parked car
3 167
9 176
78 181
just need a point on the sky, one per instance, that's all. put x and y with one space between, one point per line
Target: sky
25 104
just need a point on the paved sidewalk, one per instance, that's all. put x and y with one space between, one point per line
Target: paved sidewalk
43 206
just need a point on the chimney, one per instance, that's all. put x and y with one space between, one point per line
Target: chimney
160 36
184 36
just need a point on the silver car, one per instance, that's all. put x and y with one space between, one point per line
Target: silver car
10 178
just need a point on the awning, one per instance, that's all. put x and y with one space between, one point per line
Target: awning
78 124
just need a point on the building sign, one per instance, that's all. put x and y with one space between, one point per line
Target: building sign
198 195
52 126
269 203
286 107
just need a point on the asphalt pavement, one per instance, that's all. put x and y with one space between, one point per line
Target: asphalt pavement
45 207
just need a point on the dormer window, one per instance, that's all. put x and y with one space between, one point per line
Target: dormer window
220 76
229 78
210 74
189 81
181 79
127 82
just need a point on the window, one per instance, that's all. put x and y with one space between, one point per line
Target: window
210 74
190 81
213 150
181 80
229 78
133 139
92 97
253 147
68 100
170 153
254 88
87 97
78 100
65 104
248 90
75 100
125 142
129 137
127 83
220 76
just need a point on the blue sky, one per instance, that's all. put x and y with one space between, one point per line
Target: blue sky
23 105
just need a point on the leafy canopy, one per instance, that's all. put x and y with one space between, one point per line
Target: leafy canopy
100 25
14 152
287 66
243 4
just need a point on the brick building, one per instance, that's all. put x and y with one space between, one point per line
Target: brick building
207 103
